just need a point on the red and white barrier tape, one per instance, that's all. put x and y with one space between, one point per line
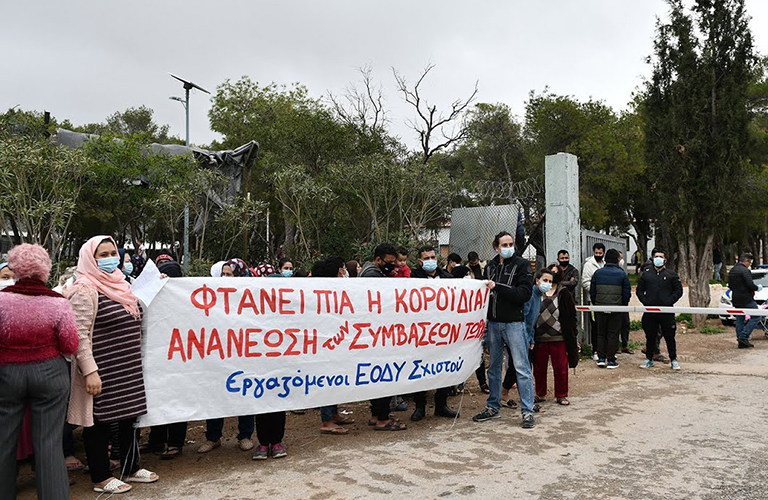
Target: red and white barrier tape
719 311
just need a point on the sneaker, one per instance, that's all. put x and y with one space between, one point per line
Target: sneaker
595 358
528 421
612 365
278 451
601 363
675 365
487 414
245 444
397 404
647 364
261 453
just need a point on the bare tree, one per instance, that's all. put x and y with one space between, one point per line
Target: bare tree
361 107
430 122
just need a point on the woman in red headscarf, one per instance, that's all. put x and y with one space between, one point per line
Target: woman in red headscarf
107 374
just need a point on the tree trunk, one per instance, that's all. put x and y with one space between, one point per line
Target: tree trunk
289 234
696 260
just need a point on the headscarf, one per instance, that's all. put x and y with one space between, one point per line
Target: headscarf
216 269
112 285
3 265
264 270
240 268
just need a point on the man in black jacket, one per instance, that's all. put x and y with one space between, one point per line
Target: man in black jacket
511 283
384 257
743 290
429 269
659 286
570 274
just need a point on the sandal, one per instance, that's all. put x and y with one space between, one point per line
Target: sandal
170 453
537 399
563 401
114 487
142 476
74 465
511 403
344 420
392 425
485 389
339 431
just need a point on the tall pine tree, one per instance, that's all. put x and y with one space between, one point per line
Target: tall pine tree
697 129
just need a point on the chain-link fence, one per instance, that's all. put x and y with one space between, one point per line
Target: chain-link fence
473 228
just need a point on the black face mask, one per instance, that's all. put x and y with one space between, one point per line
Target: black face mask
598 258
564 263
387 268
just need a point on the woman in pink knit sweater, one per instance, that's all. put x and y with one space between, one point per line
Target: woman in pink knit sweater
37 328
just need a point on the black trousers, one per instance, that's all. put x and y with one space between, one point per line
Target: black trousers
170 434
608 331
270 428
380 408
480 372
441 398
96 440
652 323
625 331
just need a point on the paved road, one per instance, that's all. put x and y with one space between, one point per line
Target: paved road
699 433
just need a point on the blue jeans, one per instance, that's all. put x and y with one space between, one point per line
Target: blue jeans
214 427
743 332
327 413
514 336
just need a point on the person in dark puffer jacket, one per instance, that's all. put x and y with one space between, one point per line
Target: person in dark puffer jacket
609 287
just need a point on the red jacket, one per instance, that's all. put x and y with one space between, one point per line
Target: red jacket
35 328
403 272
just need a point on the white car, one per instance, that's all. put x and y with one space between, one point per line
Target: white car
760 277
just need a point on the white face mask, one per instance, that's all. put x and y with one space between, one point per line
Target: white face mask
5 283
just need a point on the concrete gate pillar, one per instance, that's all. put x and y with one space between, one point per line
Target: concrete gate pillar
563 223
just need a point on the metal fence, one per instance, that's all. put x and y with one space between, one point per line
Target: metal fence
588 239
473 228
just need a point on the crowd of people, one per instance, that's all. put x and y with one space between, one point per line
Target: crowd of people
72 357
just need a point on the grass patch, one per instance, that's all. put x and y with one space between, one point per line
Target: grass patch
636 345
685 318
711 330
635 325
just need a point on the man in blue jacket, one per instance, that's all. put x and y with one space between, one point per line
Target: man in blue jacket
609 287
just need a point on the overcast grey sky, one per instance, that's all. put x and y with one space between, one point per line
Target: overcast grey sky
84 60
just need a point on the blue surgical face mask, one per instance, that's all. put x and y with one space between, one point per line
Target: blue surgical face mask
286 273
127 268
108 264
545 287
429 265
658 261
507 252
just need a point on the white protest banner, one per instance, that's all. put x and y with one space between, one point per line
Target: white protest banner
218 347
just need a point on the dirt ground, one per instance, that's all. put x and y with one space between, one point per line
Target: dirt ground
324 466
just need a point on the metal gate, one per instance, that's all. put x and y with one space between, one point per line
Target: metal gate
473 228
588 239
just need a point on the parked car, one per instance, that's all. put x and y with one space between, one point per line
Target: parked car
760 277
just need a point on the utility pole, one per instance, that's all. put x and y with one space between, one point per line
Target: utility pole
187 87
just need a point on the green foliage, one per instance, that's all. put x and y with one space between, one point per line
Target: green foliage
133 122
711 330
635 325
586 351
685 318
43 184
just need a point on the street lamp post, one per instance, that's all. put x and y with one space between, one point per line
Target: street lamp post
187 87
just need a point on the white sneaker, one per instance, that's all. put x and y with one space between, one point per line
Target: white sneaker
595 358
